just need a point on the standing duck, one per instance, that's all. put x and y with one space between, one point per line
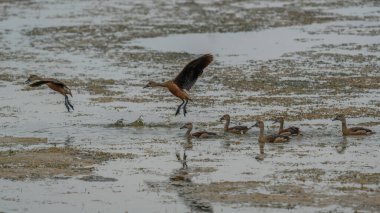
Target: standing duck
352 130
53 84
200 134
235 129
288 131
185 80
274 138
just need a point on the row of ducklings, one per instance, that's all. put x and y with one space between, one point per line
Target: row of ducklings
280 137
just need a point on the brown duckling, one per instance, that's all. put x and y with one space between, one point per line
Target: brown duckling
352 130
200 134
274 138
53 84
288 131
235 129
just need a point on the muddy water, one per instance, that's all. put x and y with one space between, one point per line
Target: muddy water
269 44
307 67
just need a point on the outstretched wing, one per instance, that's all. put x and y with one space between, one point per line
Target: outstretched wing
189 75
47 80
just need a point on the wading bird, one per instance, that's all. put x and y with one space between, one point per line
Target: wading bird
185 80
235 129
353 130
53 84
274 138
200 134
288 131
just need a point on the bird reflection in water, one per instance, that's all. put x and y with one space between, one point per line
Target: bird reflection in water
261 156
182 160
342 146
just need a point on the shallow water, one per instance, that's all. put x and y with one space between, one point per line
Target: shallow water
41 113
238 48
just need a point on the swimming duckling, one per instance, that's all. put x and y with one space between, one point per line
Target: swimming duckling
235 129
53 84
352 130
200 134
288 131
274 138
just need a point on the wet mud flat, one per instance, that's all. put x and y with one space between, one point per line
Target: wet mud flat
304 60
47 163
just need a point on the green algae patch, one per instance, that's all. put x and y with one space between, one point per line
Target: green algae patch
139 122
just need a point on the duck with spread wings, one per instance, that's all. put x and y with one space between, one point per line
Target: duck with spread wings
53 84
185 80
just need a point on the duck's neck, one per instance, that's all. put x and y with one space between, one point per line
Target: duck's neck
227 124
261 136
281 125
158 84
188 132
344 126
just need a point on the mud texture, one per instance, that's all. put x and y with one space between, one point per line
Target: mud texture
45 163
303 59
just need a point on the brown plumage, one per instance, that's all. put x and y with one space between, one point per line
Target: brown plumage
288 131
185 80
274 138
200 134
235 129
53 84
352 130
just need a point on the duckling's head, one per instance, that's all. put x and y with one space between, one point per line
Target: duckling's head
259 123
187 126
225 117
279 120
32 78
339 117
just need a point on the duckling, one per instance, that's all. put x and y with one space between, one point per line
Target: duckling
235 129
352 130
274 138
53 84
201 134
288 131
